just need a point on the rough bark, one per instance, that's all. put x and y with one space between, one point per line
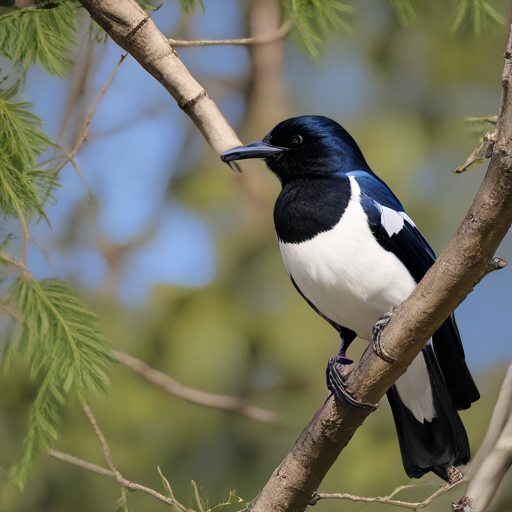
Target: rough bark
465 261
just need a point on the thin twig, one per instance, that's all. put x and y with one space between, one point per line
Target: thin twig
102 440
224 402
65 457
90 115
261 39
115 473
387 499
166 483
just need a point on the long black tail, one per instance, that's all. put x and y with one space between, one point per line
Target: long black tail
441 443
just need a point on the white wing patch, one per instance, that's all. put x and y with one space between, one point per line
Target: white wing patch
392 220
407 218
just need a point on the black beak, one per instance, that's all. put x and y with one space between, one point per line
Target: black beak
258 149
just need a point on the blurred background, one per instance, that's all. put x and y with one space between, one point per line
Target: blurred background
178 255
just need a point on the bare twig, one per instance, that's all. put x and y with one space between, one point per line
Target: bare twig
114 473
88 120
387 499
224 402
261 39
65 457
166 483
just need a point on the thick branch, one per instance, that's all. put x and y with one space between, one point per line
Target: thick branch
134 31
232 404
467 258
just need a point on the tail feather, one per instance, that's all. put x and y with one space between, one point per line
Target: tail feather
430 445
450 357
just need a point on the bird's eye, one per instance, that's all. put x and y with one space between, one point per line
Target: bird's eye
297 139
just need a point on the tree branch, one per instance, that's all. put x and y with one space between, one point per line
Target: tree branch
134 31
232 404
261 39
467 258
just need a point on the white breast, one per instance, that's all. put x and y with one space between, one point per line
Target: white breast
346 274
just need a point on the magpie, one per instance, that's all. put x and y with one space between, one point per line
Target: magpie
353 254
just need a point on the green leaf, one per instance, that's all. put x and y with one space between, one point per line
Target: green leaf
65 348
40 35
234 504
23 184
315 18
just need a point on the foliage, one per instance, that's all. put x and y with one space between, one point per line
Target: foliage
479 12
313 18
41 35
65 347
25 186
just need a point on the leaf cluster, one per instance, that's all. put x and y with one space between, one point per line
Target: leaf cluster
42 35
25 186
65 348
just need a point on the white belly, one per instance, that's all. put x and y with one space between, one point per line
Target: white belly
346 274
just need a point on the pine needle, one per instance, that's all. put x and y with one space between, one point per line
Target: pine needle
23 184
315 18
65 348
40 35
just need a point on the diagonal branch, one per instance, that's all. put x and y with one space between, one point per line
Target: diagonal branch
228 403
261 39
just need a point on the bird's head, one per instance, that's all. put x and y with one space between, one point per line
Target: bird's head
306 146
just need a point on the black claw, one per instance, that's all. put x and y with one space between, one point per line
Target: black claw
377 331
336 384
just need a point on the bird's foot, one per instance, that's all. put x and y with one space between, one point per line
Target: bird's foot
377 331
336 382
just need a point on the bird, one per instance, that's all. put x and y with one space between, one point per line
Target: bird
354 254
